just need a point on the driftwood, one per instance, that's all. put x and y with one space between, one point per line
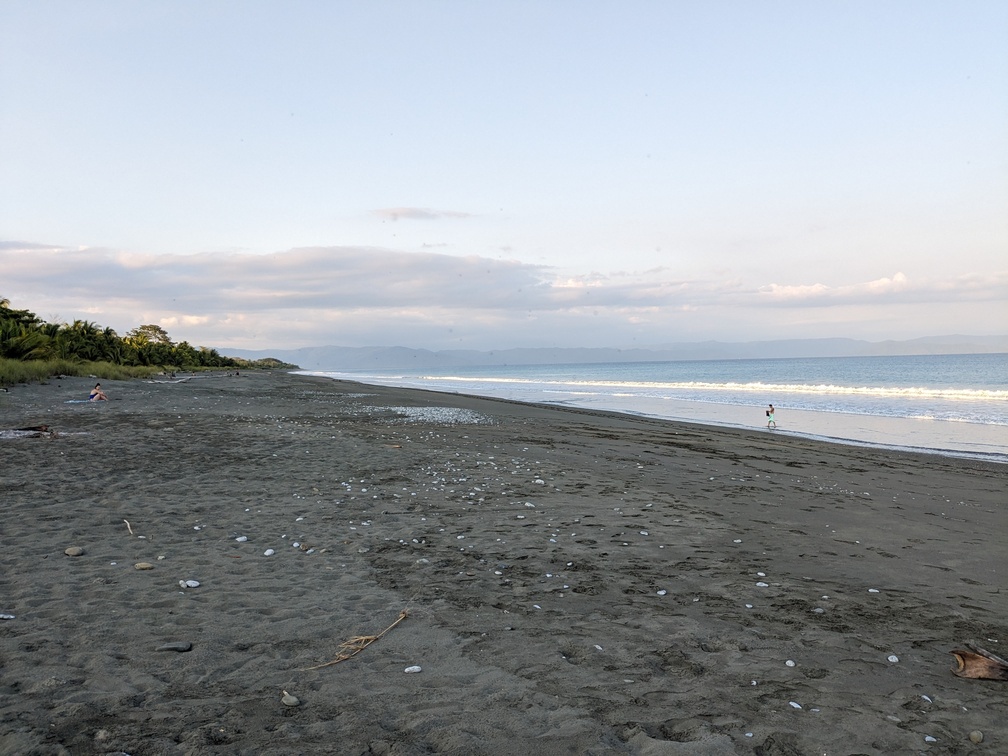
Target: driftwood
353 646
979 664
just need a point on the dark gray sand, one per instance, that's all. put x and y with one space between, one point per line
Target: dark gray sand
575 582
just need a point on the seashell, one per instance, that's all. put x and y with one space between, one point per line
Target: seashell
761 584
794 704
241 539
976 737
189 583
979 664
74 551
412 670
289 700
929 739
893 658
269 552
143 566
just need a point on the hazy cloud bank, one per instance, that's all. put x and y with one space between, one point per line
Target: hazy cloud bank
375 296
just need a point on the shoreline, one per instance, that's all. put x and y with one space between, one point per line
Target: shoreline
963 440
575 580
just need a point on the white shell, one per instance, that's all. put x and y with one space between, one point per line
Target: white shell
269 552
413 669
241 539
893 658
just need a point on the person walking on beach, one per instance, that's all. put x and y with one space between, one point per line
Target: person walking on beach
770 418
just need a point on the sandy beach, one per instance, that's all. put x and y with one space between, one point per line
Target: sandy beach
573 582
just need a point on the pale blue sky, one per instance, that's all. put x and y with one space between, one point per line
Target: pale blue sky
496 174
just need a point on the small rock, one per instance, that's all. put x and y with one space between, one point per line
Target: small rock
241 539
179 646
143 566
189 583
412 670
790 662
6 616
976 737
893 658
290 700
929 739
269 552
74 551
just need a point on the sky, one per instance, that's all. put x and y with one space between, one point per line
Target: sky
444 174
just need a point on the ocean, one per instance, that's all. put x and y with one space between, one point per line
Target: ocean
949 404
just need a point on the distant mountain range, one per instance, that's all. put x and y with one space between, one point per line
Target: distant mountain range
337 358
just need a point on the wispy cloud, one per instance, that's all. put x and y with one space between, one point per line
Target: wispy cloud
417 213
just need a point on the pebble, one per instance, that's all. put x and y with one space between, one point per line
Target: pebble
794 704
74 551
929 739
412 670
241 539
976 737
189 583
790 662
761 584
893 658
269 552
143 566
6 616
873 590
290 700
180 646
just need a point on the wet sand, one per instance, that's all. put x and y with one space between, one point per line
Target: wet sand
574 581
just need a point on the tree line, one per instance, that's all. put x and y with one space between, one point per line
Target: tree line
24 336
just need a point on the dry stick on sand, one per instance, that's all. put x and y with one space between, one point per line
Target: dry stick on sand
358 643
128 527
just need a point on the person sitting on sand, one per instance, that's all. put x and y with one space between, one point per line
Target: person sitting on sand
770 417
97 394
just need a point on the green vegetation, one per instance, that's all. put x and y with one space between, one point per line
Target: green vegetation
33 350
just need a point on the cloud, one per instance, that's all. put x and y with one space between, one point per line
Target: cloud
898 288
376 296
417 213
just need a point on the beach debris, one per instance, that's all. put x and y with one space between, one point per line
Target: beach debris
978 663
413 669
6 616
794 704
128 527
353 646
288 699
976 737
177 646
874 590
74 551
189 583
143 566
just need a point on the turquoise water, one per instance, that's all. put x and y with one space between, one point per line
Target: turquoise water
956 404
